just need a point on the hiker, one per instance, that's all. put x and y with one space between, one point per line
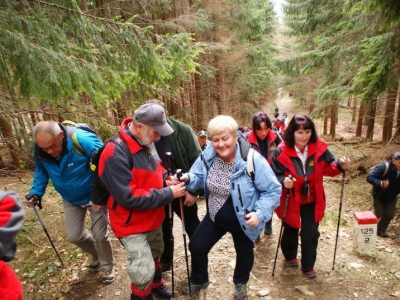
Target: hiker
184 149
11 215
202 139
385 189
300 163
244 129
264 141
56 159
235 203
138 196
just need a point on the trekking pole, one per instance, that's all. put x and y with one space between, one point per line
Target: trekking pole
179 174
171 223
280 232
338 224
109 224
48 236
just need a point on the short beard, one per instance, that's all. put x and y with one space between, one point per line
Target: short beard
145 137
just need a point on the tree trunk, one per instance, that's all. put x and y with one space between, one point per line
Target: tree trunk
354 109
370 119
334 112
325 122
397 132
361 111
7 132
200 112
83 6
219 89
388 117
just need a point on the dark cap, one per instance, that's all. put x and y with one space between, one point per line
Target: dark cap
396 155
152 114
202 133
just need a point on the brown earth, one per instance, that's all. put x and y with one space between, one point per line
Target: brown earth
354 276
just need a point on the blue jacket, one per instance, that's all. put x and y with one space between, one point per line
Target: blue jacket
261 196
71 178
375 178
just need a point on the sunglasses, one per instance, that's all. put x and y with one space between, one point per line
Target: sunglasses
300 119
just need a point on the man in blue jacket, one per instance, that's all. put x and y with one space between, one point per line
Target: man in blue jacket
386 186
56 159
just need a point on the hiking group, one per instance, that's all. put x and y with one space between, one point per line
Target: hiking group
158 167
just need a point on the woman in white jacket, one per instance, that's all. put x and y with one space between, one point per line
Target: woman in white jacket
236 202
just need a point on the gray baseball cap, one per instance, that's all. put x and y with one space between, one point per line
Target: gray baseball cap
202 133
152 114
396 155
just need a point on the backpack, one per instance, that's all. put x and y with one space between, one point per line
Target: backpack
384 172
71 134
100 193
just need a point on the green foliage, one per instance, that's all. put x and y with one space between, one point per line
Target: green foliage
352 45
54 52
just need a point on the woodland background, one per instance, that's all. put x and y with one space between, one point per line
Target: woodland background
96 61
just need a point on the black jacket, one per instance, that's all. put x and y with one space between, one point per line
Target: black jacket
375 177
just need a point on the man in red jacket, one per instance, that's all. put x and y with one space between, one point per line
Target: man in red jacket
138 197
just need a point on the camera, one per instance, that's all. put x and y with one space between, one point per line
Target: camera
305 188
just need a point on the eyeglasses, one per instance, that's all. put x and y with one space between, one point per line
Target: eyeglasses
52 147
300 119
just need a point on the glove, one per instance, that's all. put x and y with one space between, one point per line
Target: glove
35 199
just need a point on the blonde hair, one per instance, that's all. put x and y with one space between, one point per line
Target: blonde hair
221 123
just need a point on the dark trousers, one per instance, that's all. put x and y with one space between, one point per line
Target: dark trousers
206 236
385 210
191 223
309 235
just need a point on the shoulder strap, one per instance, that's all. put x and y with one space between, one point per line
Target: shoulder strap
76 146
120 142
250 164
386 169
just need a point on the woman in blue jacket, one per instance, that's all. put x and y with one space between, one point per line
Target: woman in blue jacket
236 202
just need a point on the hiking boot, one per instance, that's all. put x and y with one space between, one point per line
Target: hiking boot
240 291
109 276
292 263
383 234
165 266
257 240
94 265
194 288
268 228
162 292
310 274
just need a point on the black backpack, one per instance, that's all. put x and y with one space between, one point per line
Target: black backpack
100 193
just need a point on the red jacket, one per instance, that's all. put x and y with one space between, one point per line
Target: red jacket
321 163
272 140
138 192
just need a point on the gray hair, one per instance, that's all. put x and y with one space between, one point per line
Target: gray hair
221 123
156 101
44 127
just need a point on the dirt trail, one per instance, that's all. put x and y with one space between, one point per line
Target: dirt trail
353 277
